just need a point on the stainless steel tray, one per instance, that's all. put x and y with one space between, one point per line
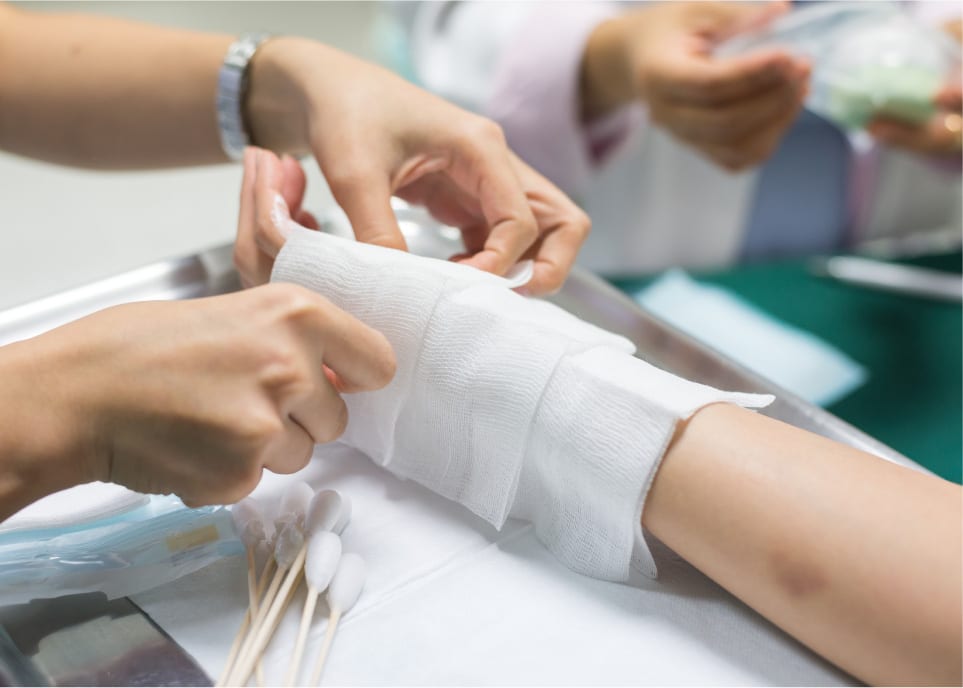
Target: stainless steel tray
211 272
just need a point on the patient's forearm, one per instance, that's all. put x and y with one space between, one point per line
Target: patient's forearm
858 558
106 93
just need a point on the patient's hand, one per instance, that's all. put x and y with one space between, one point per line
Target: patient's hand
190 397
733 110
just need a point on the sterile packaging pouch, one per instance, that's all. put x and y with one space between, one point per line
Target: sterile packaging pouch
868 59
127 543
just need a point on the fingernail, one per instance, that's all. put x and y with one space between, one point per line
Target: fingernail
281 216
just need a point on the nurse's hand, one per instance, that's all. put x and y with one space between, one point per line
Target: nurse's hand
733 110
375 135
190 397
940 136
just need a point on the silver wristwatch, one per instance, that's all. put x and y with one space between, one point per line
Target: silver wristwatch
231 88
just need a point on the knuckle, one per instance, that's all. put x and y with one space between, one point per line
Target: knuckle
245 479
282 293
481 130
335 423
583 223
350 175
293 461
293 304
241 256
257 430
491 131
248 479
527 227
302 306
281 366
193 501
388 366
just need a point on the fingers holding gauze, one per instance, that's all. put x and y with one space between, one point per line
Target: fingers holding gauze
307 335
483 167
562 226
227 386
272 211
272 193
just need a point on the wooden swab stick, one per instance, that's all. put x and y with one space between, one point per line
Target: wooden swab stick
288 540
333 620
343 592
249 521
258 619
235 648
324 551
251 653
253 602
262 582
266 572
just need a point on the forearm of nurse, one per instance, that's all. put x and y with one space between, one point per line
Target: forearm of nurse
107 93
41 446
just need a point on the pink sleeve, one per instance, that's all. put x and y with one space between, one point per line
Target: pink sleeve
936 11
534 95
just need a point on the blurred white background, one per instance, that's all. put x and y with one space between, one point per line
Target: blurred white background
64 227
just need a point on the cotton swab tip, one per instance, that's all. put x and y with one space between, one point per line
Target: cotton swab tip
287 544
347 583
329 510
248 519
294 504
324 552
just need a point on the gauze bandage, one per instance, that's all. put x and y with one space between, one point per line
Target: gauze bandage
507 405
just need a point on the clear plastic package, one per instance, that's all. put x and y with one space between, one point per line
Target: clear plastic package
868 59
154 543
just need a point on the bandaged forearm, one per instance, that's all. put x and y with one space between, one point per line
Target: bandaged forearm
507 405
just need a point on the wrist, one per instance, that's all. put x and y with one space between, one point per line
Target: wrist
606 77
276 105
42 449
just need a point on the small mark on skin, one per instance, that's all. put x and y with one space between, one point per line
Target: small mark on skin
799 578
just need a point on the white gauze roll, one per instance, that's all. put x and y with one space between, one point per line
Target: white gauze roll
497 395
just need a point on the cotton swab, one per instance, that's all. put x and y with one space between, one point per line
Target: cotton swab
289 539
249 521
343 592
329 510
324 552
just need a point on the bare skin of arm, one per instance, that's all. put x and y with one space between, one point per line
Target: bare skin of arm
858 558
109 94
106 93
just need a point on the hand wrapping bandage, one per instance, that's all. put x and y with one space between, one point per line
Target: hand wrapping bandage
507 405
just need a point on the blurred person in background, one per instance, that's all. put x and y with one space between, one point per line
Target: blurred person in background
682 158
